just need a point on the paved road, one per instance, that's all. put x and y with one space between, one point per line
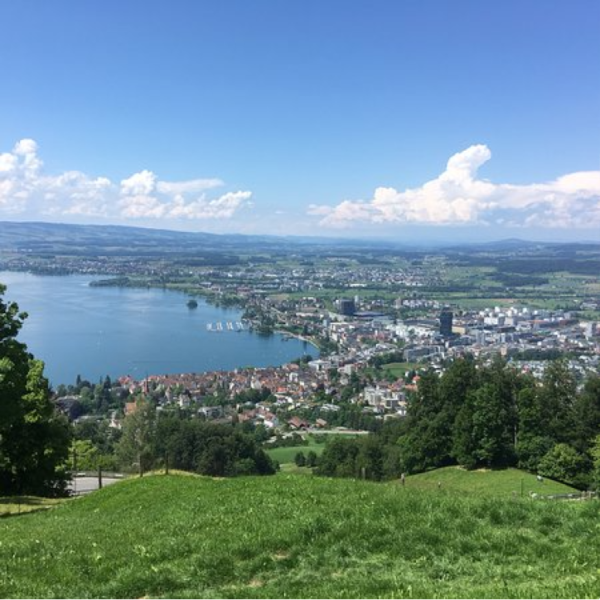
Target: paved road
317 431
85 485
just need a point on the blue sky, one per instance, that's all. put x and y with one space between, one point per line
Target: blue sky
422 119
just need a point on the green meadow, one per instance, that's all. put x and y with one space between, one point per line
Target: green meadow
296 536
287 454
502 483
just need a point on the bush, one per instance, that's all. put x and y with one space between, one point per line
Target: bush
564 463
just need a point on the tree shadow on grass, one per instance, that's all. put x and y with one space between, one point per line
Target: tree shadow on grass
12 506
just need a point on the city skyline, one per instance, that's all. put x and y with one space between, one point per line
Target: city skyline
397 120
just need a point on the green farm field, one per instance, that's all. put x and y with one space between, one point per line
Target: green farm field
286 455
300 537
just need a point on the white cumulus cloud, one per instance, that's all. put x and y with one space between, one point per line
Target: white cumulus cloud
188 187
139 184
26 190
459 197
223 207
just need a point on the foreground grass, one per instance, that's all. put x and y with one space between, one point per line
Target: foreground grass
501 483
293 536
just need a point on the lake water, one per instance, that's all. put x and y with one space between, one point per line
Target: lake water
97 331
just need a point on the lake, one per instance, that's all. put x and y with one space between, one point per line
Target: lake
97 331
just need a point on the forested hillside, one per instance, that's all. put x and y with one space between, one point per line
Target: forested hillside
492 416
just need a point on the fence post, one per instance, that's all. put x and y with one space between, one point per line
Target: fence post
74 471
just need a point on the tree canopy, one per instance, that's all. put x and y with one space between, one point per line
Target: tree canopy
484 415
151 441
34 438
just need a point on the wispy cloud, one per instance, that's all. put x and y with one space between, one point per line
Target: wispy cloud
26 190
459 197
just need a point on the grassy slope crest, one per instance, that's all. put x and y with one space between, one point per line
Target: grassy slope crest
485 482
295 536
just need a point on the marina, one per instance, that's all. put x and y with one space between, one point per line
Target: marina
132 331
221 326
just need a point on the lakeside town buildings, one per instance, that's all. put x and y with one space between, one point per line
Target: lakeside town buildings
518 333
355 314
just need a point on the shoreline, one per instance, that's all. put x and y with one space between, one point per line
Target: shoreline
297 336
62 368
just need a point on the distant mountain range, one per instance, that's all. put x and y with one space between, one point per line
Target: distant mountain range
40 238
34 237
37 237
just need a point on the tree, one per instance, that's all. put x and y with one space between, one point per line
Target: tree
300 459
455 384
311 459
465 444
369 461
557 398
135 447
34 438
532 439
94 445
425 444
492 428
339 458
85 455
564 463
208 448
103 437
595 452
587 414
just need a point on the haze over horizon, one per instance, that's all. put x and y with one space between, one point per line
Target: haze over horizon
411 121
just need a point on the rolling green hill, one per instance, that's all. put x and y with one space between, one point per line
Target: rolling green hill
485 482
293 536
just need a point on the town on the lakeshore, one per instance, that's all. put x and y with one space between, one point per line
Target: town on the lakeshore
360 338
373 319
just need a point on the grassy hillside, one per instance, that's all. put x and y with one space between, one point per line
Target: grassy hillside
293 536
483 482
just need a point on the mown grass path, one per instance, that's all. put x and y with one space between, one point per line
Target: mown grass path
296 536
